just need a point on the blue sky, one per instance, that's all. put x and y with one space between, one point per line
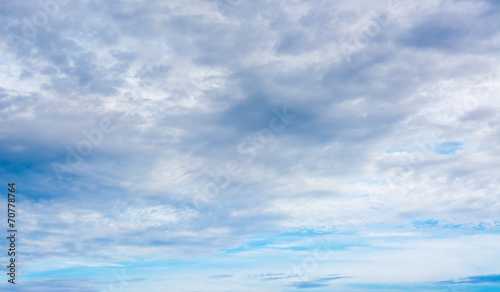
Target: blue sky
233 145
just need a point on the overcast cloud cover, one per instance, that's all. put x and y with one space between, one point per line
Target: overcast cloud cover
235 145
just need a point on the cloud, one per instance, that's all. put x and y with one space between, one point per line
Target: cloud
323 282
395 118
221 276
70 285
94 264
475 280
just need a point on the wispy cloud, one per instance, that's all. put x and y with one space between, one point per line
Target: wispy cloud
315 283
475 280
96 264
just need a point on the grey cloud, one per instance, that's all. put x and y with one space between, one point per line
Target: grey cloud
93 52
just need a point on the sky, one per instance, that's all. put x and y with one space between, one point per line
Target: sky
235 145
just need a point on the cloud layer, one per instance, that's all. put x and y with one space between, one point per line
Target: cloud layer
198 144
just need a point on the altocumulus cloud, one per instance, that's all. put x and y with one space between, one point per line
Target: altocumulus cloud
115 115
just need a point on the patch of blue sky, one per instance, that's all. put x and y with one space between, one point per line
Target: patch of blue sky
453 226
425 223
425 287
450 225
481 279
305 239
45 270
447 148
148 267
69 273
442 148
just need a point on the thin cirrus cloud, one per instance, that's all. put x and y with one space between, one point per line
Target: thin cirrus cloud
94 264
363 134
